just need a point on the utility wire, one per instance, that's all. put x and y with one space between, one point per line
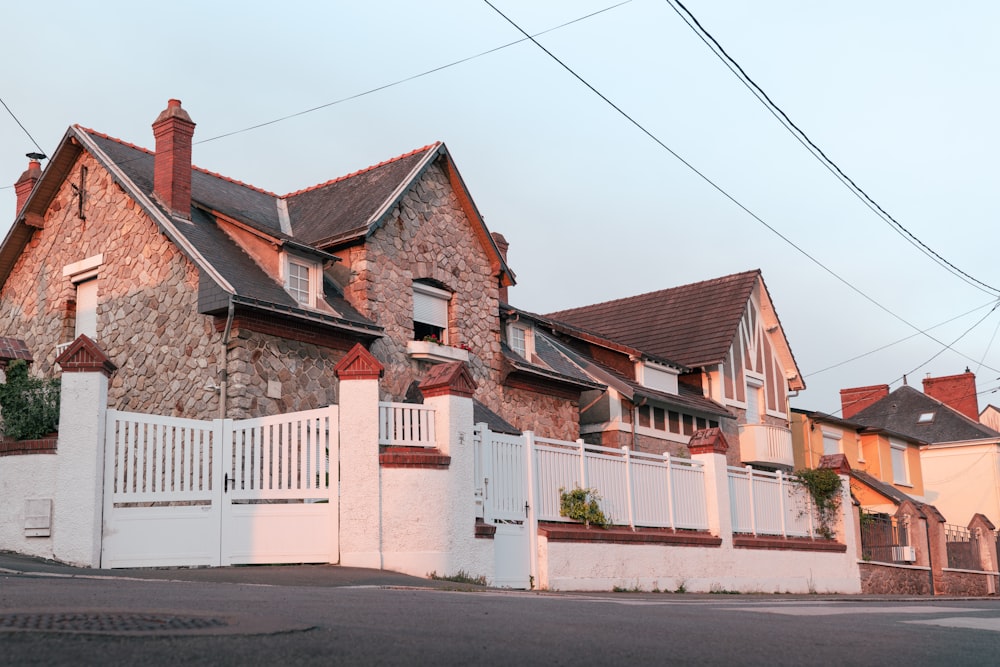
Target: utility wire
411 78
21 125
712 183
897 342
816 151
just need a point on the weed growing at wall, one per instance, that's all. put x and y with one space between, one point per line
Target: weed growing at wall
29 406
582 505
823 485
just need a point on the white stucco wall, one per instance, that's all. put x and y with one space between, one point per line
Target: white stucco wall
25 477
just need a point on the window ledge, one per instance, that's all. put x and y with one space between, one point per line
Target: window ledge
435 353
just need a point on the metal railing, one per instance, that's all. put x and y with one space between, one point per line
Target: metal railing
963 548
885 539
406 425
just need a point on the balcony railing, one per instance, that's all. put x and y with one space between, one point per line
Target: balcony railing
766 444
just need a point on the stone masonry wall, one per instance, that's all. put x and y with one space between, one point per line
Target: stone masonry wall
889 580
967 583
548 416
147 319
270 375
428 236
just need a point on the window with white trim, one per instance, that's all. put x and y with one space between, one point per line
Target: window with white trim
430 313
900 473
301 278
519 338
832 442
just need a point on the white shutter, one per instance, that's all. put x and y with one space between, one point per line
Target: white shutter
430 305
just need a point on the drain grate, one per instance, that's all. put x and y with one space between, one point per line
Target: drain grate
107 622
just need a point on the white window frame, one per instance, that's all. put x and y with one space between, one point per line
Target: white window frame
313 279
83 274
901 472
527 339
427 298
833 435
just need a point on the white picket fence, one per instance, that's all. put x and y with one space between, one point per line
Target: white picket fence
769 503
406 425
636 489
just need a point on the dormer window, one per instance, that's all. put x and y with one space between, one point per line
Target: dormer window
520 340
301 279
430 313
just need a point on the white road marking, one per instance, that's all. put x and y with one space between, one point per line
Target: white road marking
842 609
974 623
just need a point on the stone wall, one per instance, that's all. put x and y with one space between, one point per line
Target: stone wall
147 318
971 584
270 375
548 416
428 236
878 579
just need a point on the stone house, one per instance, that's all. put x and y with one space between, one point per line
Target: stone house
214 297
678 360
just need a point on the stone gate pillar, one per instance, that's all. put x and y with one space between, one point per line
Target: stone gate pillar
79 500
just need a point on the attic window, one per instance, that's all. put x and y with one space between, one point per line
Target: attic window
301 278
925 418
520 339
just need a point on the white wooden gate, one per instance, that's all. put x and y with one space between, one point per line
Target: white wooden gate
503 469
222 492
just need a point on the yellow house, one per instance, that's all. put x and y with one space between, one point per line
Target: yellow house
886 458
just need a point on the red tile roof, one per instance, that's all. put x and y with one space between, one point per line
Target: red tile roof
14 348
692 324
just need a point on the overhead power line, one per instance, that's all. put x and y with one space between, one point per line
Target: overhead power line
718 188
817 152
410 78
21 125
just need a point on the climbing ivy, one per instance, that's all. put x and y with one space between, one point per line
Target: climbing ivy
823 485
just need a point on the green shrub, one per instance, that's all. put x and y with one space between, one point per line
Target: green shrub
29 406
582 505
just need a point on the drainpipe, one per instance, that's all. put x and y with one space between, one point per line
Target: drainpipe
224 372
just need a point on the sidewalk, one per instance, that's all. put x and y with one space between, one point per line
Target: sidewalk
326 576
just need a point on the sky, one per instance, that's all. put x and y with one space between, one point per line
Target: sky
901 95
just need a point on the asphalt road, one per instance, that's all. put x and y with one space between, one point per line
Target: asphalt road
51 615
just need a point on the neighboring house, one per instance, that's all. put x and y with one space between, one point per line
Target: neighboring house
214 297
885 466
631 398
990 416
679 359
960 461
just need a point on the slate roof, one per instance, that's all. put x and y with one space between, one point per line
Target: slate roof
483 415
900 410
693 325
887 490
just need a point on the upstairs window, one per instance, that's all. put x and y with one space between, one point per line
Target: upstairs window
430 313
831 442
900 474
519 339
301 279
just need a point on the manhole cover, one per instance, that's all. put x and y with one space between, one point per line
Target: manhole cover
108 622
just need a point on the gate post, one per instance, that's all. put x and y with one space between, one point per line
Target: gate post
79 498
709 446
360 474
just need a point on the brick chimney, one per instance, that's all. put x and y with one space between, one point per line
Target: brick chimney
956 391
173 130
856 399
26 183
502 246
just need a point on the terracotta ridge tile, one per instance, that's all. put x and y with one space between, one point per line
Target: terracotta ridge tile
362 171
194 167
